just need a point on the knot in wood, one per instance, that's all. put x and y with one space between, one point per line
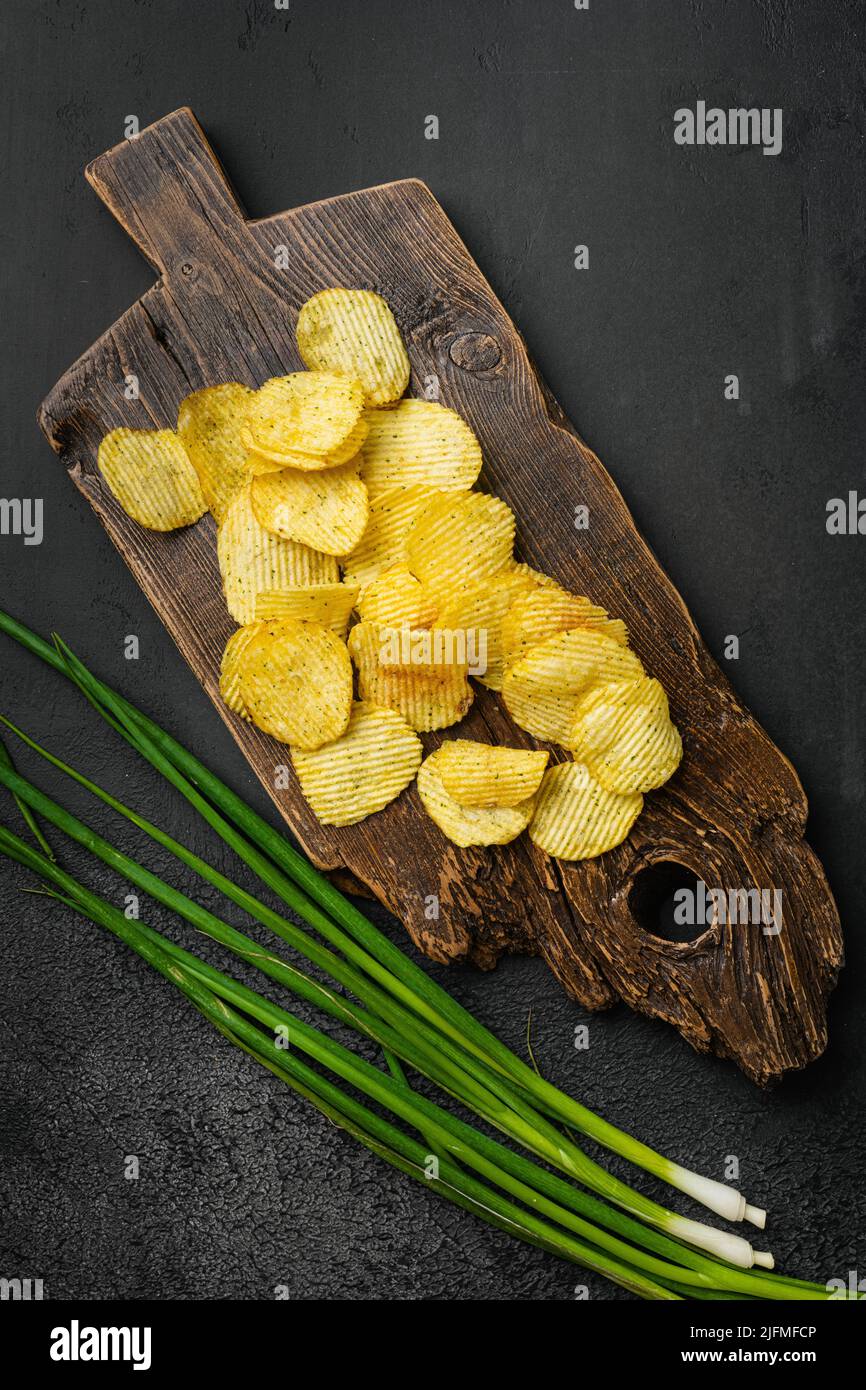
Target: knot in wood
475 352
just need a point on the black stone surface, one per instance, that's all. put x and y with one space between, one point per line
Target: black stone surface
556 128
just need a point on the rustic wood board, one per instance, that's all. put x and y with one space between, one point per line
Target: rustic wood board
734 814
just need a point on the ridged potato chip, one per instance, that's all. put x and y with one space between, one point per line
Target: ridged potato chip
151 476
623 732
259 463
209 424
538 577
542 612
576 818
230 667
326 510
361 771
354 333
480 610
328 604
427 700
309 416
419 442
469 825
396 598
383 544
414 672
253 560
482 774
397 645
543 689
458 539
296 682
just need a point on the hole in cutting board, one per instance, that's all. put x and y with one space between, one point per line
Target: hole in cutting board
653 900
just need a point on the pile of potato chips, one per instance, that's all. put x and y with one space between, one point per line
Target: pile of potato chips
354 553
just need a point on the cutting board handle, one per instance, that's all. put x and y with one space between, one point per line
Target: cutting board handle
168 190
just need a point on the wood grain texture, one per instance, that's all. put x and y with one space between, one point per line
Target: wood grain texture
734 813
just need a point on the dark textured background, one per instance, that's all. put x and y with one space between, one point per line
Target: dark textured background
556 128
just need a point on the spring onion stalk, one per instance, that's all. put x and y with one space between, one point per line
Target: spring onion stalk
408 1157
191 777
433 1044
392 1143
189 974
425 996
26 814
377 1000
380 1089
489 1097
719 1275
518 1177
318 994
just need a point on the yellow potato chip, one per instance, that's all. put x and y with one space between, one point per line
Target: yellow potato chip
383 544
419 442
361 771
469 825
542 612
623 732
480 610
296 682
151 476
353 333
253 560
259 462
398 645
230 684
414 672
396 599
328 604
325 510
542 689
538 577
575 818
307 414
209 423
427 700
482 774
457 540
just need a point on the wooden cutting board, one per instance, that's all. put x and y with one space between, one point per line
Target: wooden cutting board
224 308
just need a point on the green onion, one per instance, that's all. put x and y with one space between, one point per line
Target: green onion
26 814
482 1090
192 976
519 1178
